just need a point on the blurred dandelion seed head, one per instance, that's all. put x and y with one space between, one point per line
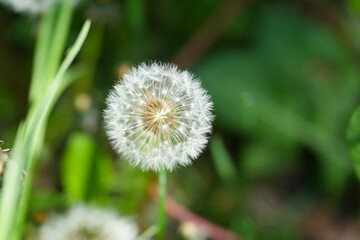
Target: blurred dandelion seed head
158 117
29 6
84 222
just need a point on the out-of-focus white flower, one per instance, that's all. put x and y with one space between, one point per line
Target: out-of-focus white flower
158 117
83 222
29 6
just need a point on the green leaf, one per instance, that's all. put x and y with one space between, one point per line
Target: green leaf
353 5
27 144
76 165
353 140
102 174
46 200
222 160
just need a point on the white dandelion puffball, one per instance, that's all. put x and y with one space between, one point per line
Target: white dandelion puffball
84 222
29 6
158 117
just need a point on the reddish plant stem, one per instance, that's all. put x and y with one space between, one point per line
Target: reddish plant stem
180 213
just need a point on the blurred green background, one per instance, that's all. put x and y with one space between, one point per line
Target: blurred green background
284 78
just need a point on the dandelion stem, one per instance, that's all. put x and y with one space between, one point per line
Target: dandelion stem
161 205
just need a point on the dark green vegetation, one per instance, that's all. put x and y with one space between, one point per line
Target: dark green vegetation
284 78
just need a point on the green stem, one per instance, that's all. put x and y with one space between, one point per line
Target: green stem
58 40
41 56
12 215
161 205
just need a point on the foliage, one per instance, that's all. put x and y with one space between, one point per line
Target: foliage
284 79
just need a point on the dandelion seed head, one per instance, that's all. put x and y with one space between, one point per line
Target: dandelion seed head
83 222
158 117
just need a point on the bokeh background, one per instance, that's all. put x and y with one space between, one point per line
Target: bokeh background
284 78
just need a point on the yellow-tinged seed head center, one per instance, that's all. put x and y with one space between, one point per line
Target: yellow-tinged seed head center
158 116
